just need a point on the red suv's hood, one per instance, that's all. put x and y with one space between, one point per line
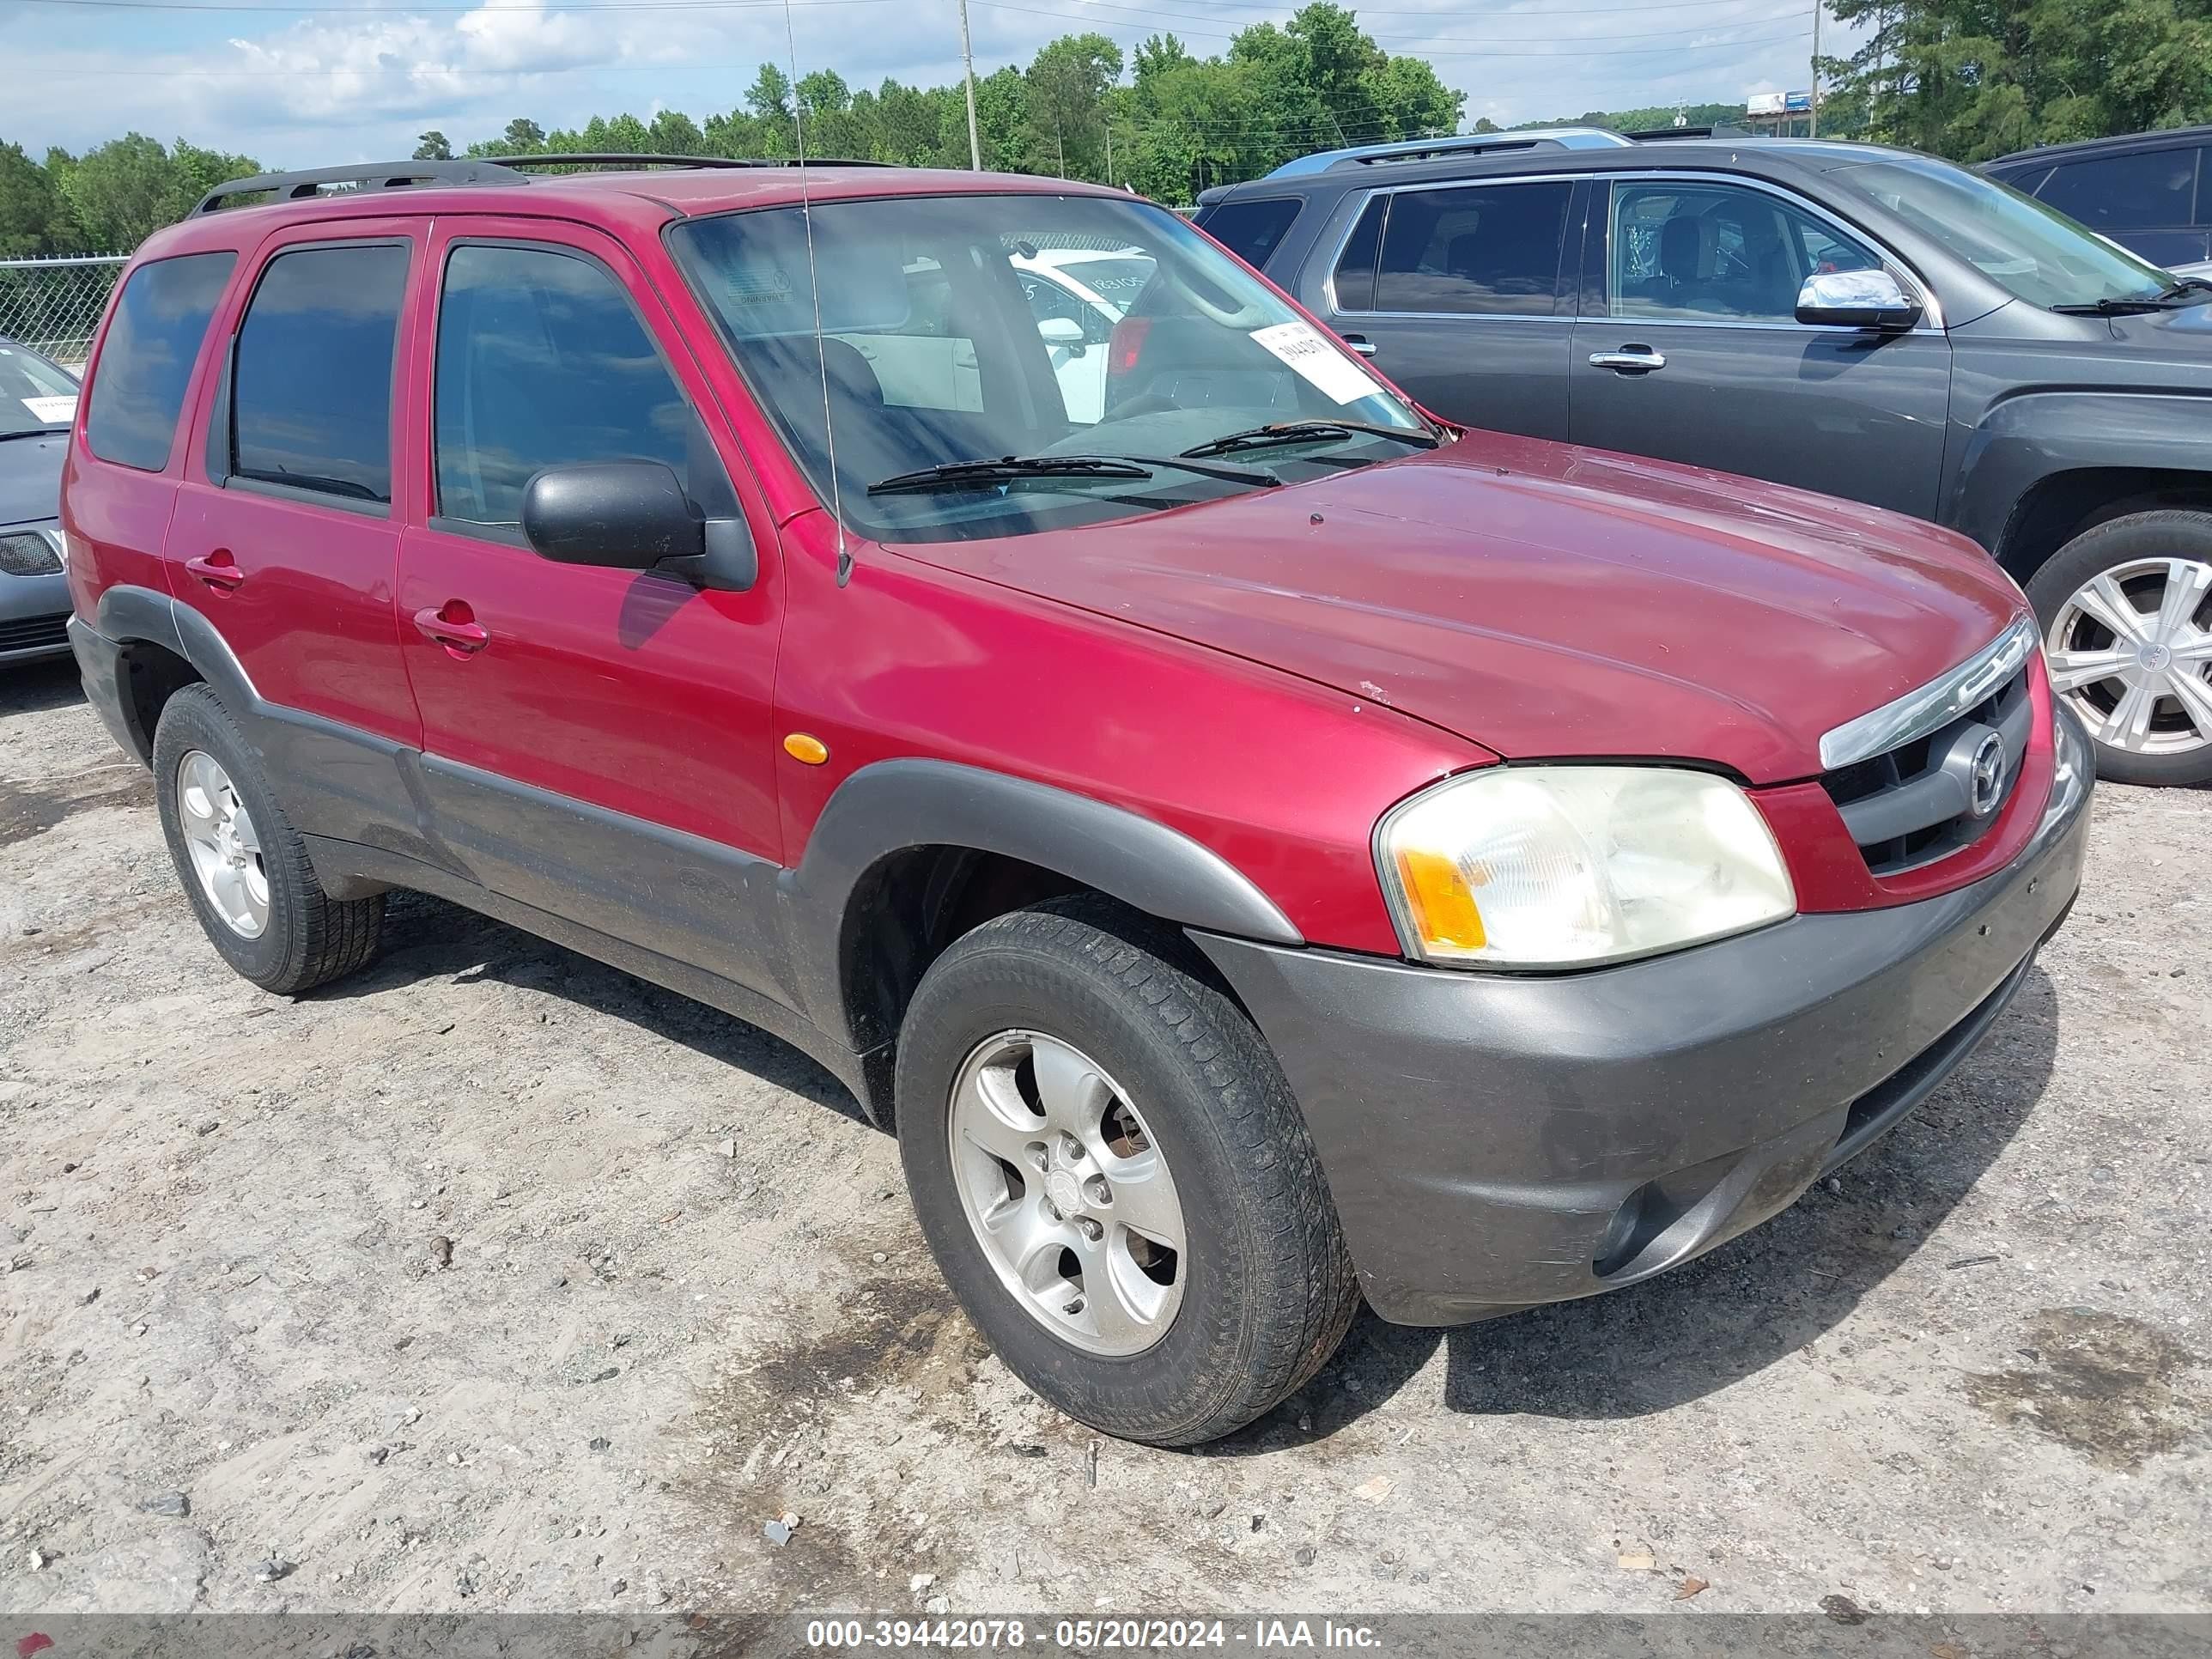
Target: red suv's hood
1542 599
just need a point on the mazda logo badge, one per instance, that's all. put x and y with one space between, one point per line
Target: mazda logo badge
1989 775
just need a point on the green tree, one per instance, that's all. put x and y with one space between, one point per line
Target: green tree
432 146
34 219
1971 79
1067 85
120 192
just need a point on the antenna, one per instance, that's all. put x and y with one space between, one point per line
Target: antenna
814 284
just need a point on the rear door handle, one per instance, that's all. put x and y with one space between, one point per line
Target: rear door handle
454 626
217 569
1361 344
1629 360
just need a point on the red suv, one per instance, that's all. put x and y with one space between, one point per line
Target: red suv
1260 846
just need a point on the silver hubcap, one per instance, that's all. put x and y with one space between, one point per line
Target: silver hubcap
226 849
1067 1193
2131 651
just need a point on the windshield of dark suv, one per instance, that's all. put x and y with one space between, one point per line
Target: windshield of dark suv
941 347
35 395
2033 252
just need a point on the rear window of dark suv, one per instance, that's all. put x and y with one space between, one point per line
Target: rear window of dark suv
146 361
1252 230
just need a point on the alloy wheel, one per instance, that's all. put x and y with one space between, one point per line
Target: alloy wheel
2131 652
1067 1193
224 846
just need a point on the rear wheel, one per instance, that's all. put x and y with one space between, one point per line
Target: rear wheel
243 865
2127 617
1114 1177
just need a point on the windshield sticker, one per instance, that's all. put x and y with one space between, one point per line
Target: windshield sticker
54 411
1320 364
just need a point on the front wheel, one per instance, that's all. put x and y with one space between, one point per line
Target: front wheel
1114 1177
2126 610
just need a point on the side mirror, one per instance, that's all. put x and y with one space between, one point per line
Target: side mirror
1061 331
632 516
1857 299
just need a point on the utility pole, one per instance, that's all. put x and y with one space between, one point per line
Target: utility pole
1813 118
968 58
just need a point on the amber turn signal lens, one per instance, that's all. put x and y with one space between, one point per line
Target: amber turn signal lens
801 747
1443 910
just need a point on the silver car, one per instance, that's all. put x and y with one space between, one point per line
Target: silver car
38 400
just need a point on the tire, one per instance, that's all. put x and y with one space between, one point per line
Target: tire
305 937
2144 558
1263 1288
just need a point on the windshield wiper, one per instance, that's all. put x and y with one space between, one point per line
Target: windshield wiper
981 475
2189 289
1298 432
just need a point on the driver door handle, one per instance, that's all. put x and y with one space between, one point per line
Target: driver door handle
1360 344
1629 360
454 626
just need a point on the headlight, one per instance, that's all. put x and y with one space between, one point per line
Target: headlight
1570 867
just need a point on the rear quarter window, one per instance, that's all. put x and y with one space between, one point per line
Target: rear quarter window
1253 230
147 360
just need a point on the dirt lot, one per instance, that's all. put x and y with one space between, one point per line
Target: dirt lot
685 1293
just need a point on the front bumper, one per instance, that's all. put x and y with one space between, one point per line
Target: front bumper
1493 1142
32 611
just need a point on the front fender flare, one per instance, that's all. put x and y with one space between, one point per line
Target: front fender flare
897 805
2034 435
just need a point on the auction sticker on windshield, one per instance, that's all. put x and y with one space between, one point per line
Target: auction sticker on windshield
1320 364
52 410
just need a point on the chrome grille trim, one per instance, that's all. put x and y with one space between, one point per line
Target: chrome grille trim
1933 705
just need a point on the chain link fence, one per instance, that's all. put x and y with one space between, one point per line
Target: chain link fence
53 306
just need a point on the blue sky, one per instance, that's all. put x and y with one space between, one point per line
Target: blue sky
357 82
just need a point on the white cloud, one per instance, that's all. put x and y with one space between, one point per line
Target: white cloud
354 85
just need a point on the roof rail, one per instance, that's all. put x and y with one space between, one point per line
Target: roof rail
1471 143
486 170
618 159
381 175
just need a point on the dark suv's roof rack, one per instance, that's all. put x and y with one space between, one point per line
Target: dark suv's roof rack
1661 135
488 170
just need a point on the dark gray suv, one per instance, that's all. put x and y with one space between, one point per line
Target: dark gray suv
1870 323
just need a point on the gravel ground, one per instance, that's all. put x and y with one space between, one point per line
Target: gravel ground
494 1279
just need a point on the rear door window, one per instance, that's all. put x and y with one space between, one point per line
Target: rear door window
2142 188
311 391
1252 230
146 361
543 362
1484 250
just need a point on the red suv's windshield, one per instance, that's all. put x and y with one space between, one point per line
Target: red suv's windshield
938 344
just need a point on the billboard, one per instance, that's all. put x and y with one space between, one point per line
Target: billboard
1763 103
1796 103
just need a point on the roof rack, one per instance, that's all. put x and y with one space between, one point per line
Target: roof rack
501 170
383 175
1661 135
1473 143
617 158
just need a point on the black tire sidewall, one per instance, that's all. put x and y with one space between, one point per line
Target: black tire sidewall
1163 1394
2167 532
194 719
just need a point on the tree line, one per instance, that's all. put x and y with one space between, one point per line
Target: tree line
1163 122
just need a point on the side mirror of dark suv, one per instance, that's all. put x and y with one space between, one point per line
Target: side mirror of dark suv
633 515
1857 299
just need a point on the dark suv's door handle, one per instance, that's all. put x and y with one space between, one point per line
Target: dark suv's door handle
217 569
1629 360
454 626
1360 344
